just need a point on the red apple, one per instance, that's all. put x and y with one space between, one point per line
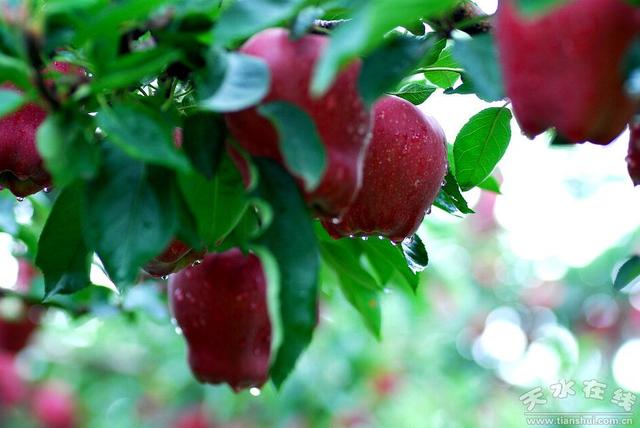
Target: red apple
12 388
194 417
53 405
177 256
221 307
403 173
21 168
27 272
340 116
633 158
17 328
564 69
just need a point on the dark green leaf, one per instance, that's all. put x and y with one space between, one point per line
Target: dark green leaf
232 82
450 198
479 57
445 72
299 141
131 214
143 134
366 30
344 258
63 255
10 101
628 273
480 145
386 66
217 205
204 137
15 71
416 92
247 17
291 240
388 261
415 253
67 153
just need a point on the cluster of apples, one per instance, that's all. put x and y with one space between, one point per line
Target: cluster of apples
384 170
51 404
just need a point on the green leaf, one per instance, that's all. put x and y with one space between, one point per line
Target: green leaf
365 301
344 258
246 17
299 141
491 184
416 253
291 240
15 71
67 152
304 21
386 66
143 134
218 204
10 101
416 92
532 8
479 57
388 261
232 82
450 198
132 68
63 255
366 30
131 214
628 273
439 73
480 145
204 137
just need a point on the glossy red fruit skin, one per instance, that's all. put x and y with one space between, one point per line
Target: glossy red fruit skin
21 167
342 120
12 388
194 417
564 69
403 173
221 307
176 257
54 407
633 157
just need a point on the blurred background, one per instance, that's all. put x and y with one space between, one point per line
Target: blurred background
518 296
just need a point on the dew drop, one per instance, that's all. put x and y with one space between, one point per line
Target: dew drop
255 391
46 189
178 331
335 220
164 277
197 262
19 199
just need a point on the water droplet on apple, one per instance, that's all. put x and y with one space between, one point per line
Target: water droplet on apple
19 199
178 331
197 262
335 220
164 277
364 238
428 210
255 391
46 190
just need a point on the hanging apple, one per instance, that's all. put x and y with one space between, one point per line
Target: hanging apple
403 173
177 256
564 68
221 307
340 116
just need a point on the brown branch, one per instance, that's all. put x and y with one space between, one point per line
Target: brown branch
467 17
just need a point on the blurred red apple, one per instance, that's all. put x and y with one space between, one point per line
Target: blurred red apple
194 417
340 116
403 173
12 388
633 158
21 168
221 307
564 69
53 405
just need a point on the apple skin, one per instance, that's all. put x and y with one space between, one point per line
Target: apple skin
633 157
564 69
21 167
194 417
221 307
176 257
53 406
341 118
12 388
404 169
